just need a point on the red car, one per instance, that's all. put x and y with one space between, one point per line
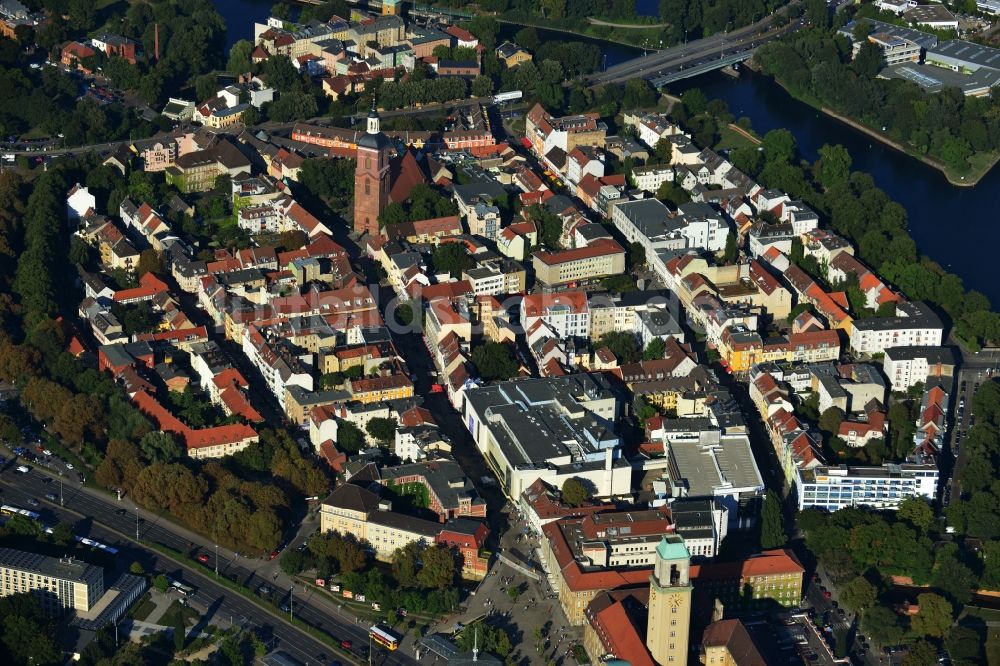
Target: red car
437 388
346 644
274 554
827 594
203 558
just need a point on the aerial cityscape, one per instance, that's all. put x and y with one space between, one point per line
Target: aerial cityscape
383 332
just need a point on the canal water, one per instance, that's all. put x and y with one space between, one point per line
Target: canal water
956 226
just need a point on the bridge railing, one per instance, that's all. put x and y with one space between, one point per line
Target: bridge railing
725 61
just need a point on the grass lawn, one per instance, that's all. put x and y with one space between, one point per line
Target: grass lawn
177 611
729 139
979 165
143 608
985 614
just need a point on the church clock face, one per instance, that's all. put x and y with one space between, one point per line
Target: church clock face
676 600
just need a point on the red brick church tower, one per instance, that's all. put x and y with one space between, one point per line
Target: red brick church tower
371 177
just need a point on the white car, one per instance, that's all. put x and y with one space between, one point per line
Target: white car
46 452
69 465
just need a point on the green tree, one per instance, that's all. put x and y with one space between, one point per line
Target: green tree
482 86
452 258
527 38
292 562
438 570
917 512
694 101
921 653
160 447
239 57
495 360
964 645
636 254
830 420
779 145
575 492
622 344
655 350
205 86
404 564
882 625
834 166
663 152
953 577
772 528
381 429
935 616
672 193
350 438
731 252
859 595
549 226
161 583
281 11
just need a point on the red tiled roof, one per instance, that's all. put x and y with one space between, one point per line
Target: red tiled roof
405 173
579 580
598 248
416 416
193 439
768 563
534 305
441 290
625 640
149 286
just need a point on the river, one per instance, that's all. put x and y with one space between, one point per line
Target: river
935 207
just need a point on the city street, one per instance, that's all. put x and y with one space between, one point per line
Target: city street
121 519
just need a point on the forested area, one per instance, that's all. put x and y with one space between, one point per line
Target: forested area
866 554
45 101
816 65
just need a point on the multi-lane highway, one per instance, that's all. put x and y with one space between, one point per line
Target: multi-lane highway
115 524
661 63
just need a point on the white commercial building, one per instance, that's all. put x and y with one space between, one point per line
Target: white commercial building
552 429
60 584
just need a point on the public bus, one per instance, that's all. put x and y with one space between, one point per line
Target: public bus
10 510
184 590
384 637
96 544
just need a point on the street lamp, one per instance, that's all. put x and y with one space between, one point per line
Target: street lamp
136 522
291 593
216 560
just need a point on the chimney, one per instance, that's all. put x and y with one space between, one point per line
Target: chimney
156 42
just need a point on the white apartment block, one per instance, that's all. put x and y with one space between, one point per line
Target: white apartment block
882 487
650 178
907 366
914 325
